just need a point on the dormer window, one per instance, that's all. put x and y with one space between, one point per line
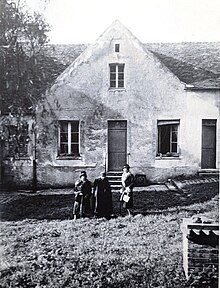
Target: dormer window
117 47
117 75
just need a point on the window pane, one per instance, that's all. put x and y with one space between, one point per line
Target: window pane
174 137
121 68
113 68
164 139
75 149
64 149
112 84
174 147
63 137
64 127
117 47
174 128
112 76
120 76
75 137
75 126
120 84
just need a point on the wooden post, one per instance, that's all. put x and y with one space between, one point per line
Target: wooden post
34 162
185 248
1 160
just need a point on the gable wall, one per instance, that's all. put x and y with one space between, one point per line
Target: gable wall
151 93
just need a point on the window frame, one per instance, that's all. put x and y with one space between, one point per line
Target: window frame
171 123
22 147
117 47
116 73
69 154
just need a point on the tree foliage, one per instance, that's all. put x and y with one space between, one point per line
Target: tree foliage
25 74
25 71
21 38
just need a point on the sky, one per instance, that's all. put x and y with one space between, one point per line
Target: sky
83 21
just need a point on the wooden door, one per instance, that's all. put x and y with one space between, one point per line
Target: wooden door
208 144
117 144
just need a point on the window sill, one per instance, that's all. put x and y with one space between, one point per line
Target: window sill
116 89
18 158
69 158
168 158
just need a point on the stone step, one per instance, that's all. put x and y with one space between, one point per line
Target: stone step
115 187
114 177
115 182
114 173
208 172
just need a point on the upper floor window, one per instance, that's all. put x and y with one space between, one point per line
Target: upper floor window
69 138
18 140
117 47
168 137
116 75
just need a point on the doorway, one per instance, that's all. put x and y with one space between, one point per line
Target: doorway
117 144
208 144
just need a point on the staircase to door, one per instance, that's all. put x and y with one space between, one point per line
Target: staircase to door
114 178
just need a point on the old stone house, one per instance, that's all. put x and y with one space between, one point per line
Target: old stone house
118 102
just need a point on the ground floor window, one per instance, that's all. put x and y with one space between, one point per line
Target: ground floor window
168 137
18 140
68 138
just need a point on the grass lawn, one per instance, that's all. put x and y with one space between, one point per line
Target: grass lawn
35 206
141 251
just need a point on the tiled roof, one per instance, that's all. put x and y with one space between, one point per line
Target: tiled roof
65 53
46 70
196 63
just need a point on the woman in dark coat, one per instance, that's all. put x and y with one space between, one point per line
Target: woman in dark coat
83 194
102 197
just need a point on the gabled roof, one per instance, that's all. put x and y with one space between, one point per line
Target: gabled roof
194 63
115 31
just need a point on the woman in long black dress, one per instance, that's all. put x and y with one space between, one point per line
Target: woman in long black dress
102 197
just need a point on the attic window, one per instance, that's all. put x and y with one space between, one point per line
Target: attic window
117 47
116 75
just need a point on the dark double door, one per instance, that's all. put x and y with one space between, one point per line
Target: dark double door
208 144
117 144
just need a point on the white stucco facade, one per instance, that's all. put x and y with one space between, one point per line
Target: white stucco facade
151 93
